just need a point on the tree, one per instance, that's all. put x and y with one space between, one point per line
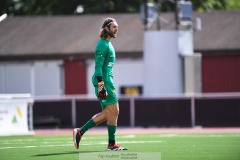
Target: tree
68 7
38 7
233 4
209 5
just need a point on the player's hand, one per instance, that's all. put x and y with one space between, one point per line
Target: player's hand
102 93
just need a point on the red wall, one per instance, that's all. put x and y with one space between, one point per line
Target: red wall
220 73
75 77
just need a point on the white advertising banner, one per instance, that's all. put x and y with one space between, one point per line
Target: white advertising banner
13 117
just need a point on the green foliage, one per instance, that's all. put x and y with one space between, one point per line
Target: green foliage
38 7
233 4
111 6
209 5
68 7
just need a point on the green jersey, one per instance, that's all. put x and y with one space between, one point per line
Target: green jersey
104 60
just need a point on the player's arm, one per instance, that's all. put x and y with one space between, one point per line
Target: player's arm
100 55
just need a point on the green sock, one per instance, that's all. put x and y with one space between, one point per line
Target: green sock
111 132
87 126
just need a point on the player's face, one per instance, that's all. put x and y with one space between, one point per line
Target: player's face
113 29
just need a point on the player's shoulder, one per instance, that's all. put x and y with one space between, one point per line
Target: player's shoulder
102 44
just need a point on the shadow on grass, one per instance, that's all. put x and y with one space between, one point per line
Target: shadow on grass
64 153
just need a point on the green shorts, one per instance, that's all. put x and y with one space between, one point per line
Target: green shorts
111 96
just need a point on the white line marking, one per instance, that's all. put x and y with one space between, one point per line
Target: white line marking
18 140
128 136
195 135
18 147
84 144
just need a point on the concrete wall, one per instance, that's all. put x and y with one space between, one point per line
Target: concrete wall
192 74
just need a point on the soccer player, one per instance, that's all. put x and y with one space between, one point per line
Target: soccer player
104 88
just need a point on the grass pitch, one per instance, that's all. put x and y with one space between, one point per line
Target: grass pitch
168 146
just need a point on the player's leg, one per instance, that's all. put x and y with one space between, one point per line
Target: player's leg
112 127
95 120
112 106
112 122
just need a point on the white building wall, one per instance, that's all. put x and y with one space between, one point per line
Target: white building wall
127 72
36 78
163 67
15 78
2 79
47 78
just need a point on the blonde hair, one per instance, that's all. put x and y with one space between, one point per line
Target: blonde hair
106 23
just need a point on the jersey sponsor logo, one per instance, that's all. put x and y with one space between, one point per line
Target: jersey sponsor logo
110 64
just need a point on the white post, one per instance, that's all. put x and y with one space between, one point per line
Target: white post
74 112
32 85
132 112
193 112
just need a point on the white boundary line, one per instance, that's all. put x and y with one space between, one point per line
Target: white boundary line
83 144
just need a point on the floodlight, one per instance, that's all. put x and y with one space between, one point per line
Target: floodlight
152 12
184 10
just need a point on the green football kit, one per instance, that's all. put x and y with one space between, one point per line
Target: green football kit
104 89
104 61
